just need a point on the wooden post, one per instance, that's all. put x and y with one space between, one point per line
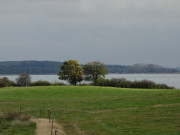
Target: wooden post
49 116
52 124
20 110
48 112
49 119
56 132
52 128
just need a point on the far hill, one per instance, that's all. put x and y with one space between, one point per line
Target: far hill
51 67
178 69
30 67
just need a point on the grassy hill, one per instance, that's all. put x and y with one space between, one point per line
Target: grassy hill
98 110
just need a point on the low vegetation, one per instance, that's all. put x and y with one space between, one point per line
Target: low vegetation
94 110
123 83
5 82
41 83
13 123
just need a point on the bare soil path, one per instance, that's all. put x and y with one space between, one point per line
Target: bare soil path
44 128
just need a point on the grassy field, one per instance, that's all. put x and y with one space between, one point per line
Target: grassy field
88 110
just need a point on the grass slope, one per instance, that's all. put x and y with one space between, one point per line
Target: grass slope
99 110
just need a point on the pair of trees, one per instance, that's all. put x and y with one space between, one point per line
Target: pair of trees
23 79
73 72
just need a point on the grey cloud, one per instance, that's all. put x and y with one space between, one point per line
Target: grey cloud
112 31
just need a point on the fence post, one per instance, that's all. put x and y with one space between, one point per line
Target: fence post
49 116
52 128
56 132
20 110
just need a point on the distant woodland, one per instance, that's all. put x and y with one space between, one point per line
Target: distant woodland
51 67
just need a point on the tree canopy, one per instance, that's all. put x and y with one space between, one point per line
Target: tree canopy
71 71
24 79
94 70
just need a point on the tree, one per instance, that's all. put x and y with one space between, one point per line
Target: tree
94 70
7 82
24 79
2 84
71 71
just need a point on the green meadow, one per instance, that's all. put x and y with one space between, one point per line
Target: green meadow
90 110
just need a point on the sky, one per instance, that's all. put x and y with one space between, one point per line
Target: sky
122 32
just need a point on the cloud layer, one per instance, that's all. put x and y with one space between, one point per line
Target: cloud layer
111 31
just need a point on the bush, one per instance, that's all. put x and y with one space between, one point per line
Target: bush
58 84
103 82
11 115
5 82
8 82
15 115
123 83
18 123
164 86
24 117
41 83
144 84
85 84
2 84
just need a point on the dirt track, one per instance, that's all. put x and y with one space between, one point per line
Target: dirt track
44 128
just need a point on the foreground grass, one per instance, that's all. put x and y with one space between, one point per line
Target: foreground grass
99 110
12 123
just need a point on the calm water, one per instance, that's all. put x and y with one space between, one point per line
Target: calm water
169 79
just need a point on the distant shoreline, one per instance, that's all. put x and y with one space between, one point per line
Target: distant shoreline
52 68
108 73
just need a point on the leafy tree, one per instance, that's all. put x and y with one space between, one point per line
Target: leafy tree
94 70
2 84
24 79
71 71
8 82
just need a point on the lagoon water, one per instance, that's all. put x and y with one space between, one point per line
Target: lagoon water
169 79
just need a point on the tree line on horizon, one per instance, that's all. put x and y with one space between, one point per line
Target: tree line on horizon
70 70
74 73
50 67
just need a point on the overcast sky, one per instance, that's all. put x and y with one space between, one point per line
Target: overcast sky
111 31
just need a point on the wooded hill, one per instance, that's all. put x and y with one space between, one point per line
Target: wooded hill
51 67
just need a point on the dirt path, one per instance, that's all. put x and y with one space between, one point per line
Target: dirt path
44 128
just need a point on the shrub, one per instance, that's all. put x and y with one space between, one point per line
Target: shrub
164 86
11 115
123 83
58 84
41 83
103 82
84 84
18 123
6 82
143 84
2 84
24 117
